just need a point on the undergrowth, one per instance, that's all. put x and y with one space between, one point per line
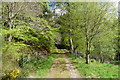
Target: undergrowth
42 67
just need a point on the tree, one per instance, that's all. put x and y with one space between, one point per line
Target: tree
91 20
95 19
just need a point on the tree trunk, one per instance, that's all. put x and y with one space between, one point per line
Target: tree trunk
71 44
87 53
10 23
87 58
102 59
10 27
10 38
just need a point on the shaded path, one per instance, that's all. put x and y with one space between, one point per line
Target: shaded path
62 68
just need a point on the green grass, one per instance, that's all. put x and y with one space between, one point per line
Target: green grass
94 69
44 66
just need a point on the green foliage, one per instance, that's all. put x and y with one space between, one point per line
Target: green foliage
95 26
13 48
23 60
41 67
28 27
31 65
25 32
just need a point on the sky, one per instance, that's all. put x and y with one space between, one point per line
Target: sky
58 11
116 2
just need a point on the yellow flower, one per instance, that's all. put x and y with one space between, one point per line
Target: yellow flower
14 76
11 74
17 71
4 74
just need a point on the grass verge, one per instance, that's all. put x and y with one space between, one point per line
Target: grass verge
94 69
42 67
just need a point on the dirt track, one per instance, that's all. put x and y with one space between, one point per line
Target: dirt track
62 68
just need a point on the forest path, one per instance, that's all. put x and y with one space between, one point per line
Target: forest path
62 68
